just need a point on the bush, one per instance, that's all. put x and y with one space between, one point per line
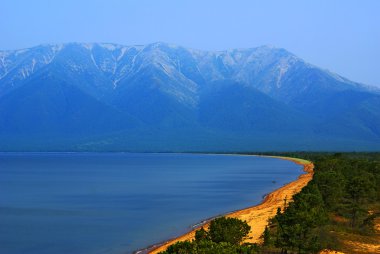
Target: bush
228 230
224 237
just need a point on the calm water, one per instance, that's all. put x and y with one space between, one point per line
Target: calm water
117 203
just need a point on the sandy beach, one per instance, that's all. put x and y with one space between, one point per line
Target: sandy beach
256 216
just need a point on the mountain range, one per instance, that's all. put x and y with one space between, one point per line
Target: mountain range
163 97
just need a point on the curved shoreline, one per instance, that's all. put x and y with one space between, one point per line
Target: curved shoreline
256 216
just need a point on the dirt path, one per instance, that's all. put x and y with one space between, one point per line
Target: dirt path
256 216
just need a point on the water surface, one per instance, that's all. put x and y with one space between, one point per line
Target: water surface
120 202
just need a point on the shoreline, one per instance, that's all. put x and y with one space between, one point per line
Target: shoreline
256 216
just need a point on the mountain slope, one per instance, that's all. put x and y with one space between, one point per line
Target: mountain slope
234 107
166 97
47 106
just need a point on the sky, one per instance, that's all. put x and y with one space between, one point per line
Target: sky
342 36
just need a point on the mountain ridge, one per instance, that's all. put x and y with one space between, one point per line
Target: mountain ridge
166 89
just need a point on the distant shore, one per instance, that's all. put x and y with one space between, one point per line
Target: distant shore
256 216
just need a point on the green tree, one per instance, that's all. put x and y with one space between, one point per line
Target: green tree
267 240
360 189
227 232
230 230
184 247
201 234
331 185
295 225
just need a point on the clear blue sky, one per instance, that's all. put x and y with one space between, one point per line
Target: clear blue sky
342 36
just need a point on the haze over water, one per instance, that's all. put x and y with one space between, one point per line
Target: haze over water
117 203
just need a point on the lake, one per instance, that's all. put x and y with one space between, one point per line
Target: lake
121 202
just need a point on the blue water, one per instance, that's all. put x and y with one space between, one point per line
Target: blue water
118 203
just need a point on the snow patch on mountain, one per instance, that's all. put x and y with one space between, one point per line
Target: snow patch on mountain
3 65
93 61
88 46
122 53
20 51
284 65
108 46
